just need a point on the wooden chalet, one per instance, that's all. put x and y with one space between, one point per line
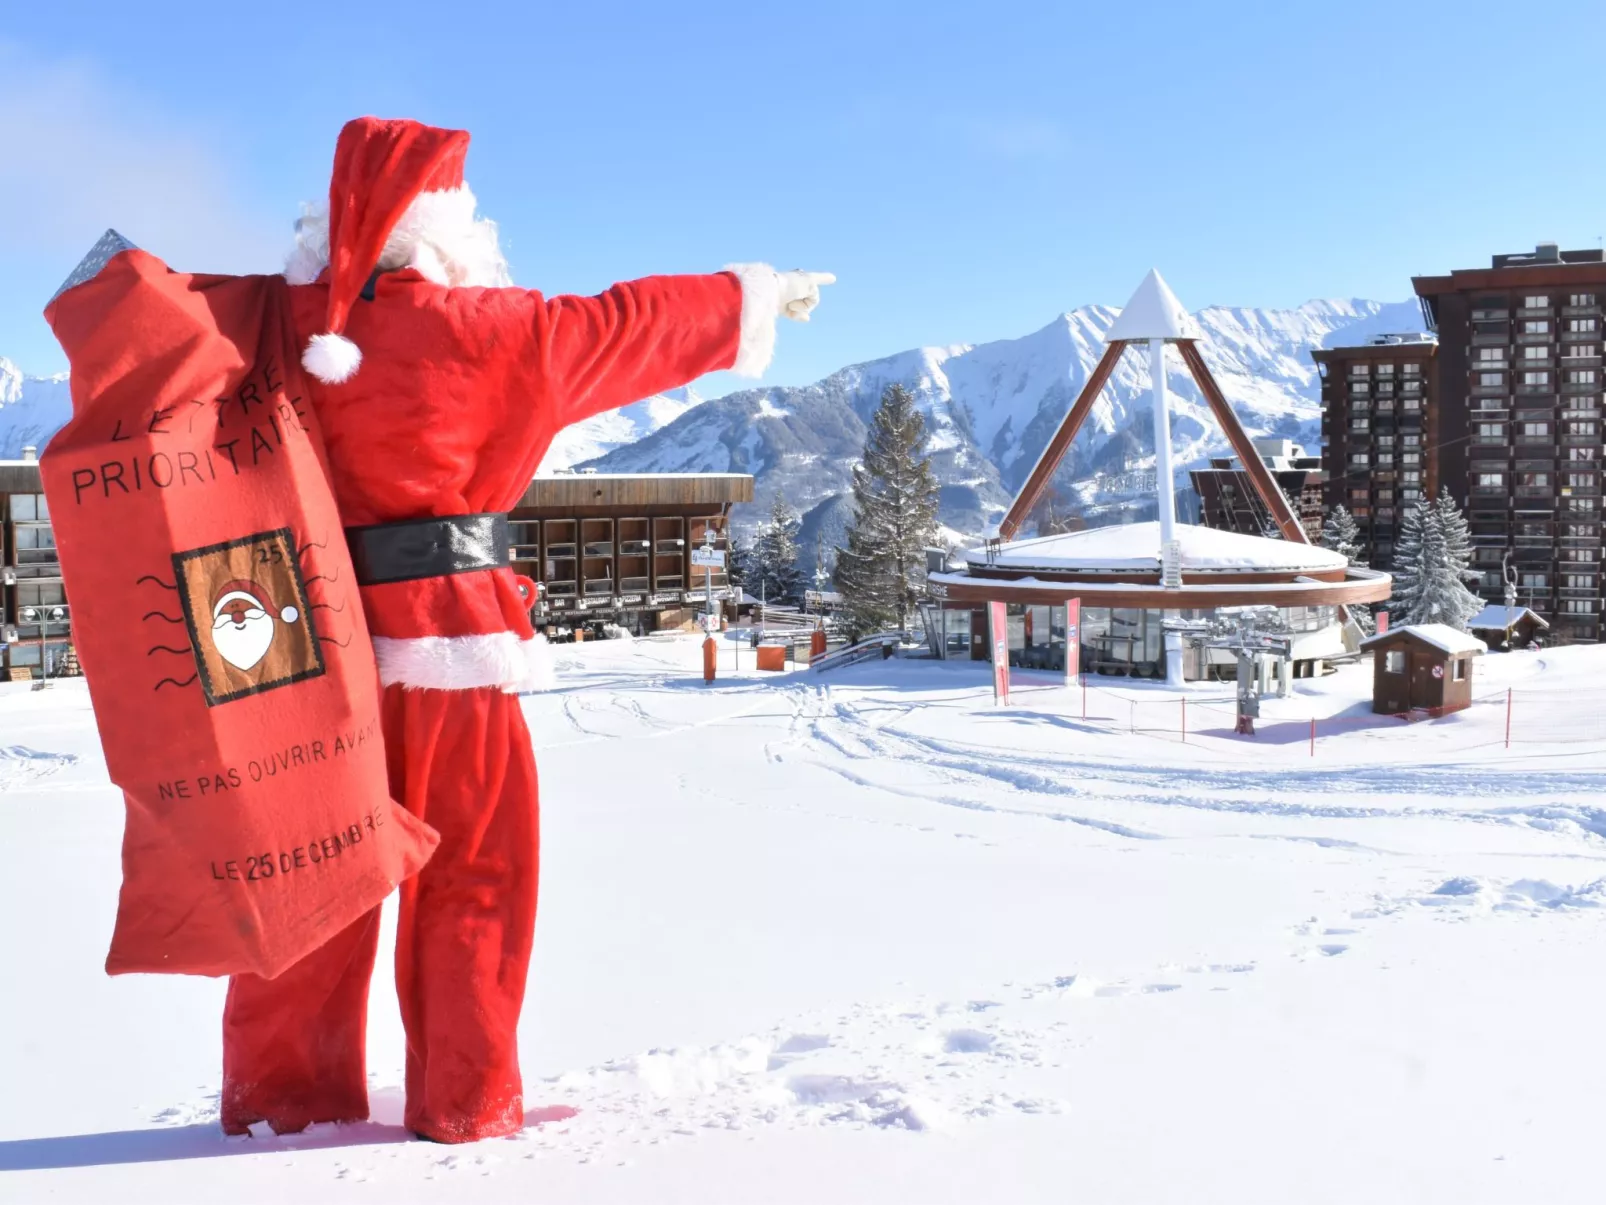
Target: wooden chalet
1504 628
1422 667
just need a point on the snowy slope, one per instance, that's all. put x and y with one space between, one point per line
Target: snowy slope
992 408
867 937
32 409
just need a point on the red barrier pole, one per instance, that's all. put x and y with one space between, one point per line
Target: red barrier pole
1132 716
1313 736
1508 717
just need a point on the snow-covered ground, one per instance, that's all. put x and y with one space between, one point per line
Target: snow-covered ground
866 937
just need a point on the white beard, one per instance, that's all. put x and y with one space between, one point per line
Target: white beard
438 235
243 645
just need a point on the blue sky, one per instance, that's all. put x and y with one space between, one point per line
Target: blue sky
967 170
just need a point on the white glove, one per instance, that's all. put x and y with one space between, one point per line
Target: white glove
800 292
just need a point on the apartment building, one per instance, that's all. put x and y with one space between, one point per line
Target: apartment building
1519 437
1228 500
1380 438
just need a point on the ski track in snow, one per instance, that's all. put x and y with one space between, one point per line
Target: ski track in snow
20 765
915 1064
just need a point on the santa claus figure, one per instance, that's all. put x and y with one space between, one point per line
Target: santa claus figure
243 622
439 388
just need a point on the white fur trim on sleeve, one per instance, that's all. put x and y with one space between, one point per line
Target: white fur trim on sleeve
331 358
502 660
761 306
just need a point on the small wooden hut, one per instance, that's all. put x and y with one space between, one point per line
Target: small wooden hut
1505 628
1422 667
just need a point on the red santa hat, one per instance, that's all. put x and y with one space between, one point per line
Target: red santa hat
242 590
380 168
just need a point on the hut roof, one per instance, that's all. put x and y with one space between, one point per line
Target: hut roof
1498 618
1440 635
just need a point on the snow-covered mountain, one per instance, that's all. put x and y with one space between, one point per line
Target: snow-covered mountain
991 409
32 409
604 433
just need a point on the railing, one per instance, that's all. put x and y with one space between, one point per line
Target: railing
882 645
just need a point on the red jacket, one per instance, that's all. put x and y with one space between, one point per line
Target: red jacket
460 393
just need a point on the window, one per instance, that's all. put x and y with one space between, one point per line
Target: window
1359 460
1581 351
1359 388
1491 379
1385 441
1587 452
1415 370
1491 481
1583 556
1533 481
1411 403
1583 324
1581 299
1410 458
1410 477
1458 670
1394 661
1536 303
1580 480
1581 427
1385 460
1535 430
1580 376
1581 505
1409 386
1360 370
1492 355
1535 581
1385 387
1411 440
1385 370
1536 378
1359 495
1578 606
1540 352
1536 326
1360 424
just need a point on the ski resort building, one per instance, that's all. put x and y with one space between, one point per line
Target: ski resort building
1518 424
1141 585
602 550
1228 500
35 621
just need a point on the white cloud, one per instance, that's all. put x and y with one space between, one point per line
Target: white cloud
77 155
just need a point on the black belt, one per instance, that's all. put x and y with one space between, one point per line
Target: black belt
420 548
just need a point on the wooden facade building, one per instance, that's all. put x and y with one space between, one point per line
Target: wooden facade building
1228 500
1379 434
1519 384
601 548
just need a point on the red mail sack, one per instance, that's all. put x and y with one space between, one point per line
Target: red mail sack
216 618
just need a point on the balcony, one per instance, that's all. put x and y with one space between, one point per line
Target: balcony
1534 311
1580 311
1533 339
1491 339
1581 336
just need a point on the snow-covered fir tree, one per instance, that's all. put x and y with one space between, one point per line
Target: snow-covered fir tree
738 565
882 571
773 572
1342 535
1430 568
1457 538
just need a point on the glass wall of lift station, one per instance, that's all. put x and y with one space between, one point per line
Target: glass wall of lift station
1119 640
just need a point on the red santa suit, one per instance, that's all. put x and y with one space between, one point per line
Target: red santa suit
445 412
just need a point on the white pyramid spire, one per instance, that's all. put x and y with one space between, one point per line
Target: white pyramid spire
1154 313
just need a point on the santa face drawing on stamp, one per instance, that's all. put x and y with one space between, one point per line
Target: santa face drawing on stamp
243 623
246 604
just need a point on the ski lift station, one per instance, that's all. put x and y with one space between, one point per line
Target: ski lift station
1152 593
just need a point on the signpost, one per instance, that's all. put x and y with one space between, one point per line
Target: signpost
708 558
1073 640
998 629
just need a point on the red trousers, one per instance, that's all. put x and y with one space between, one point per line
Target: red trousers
293 1046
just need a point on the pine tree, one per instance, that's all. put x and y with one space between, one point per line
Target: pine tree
1457 536
1341 534
1430 566
774 571
739 563
882 571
